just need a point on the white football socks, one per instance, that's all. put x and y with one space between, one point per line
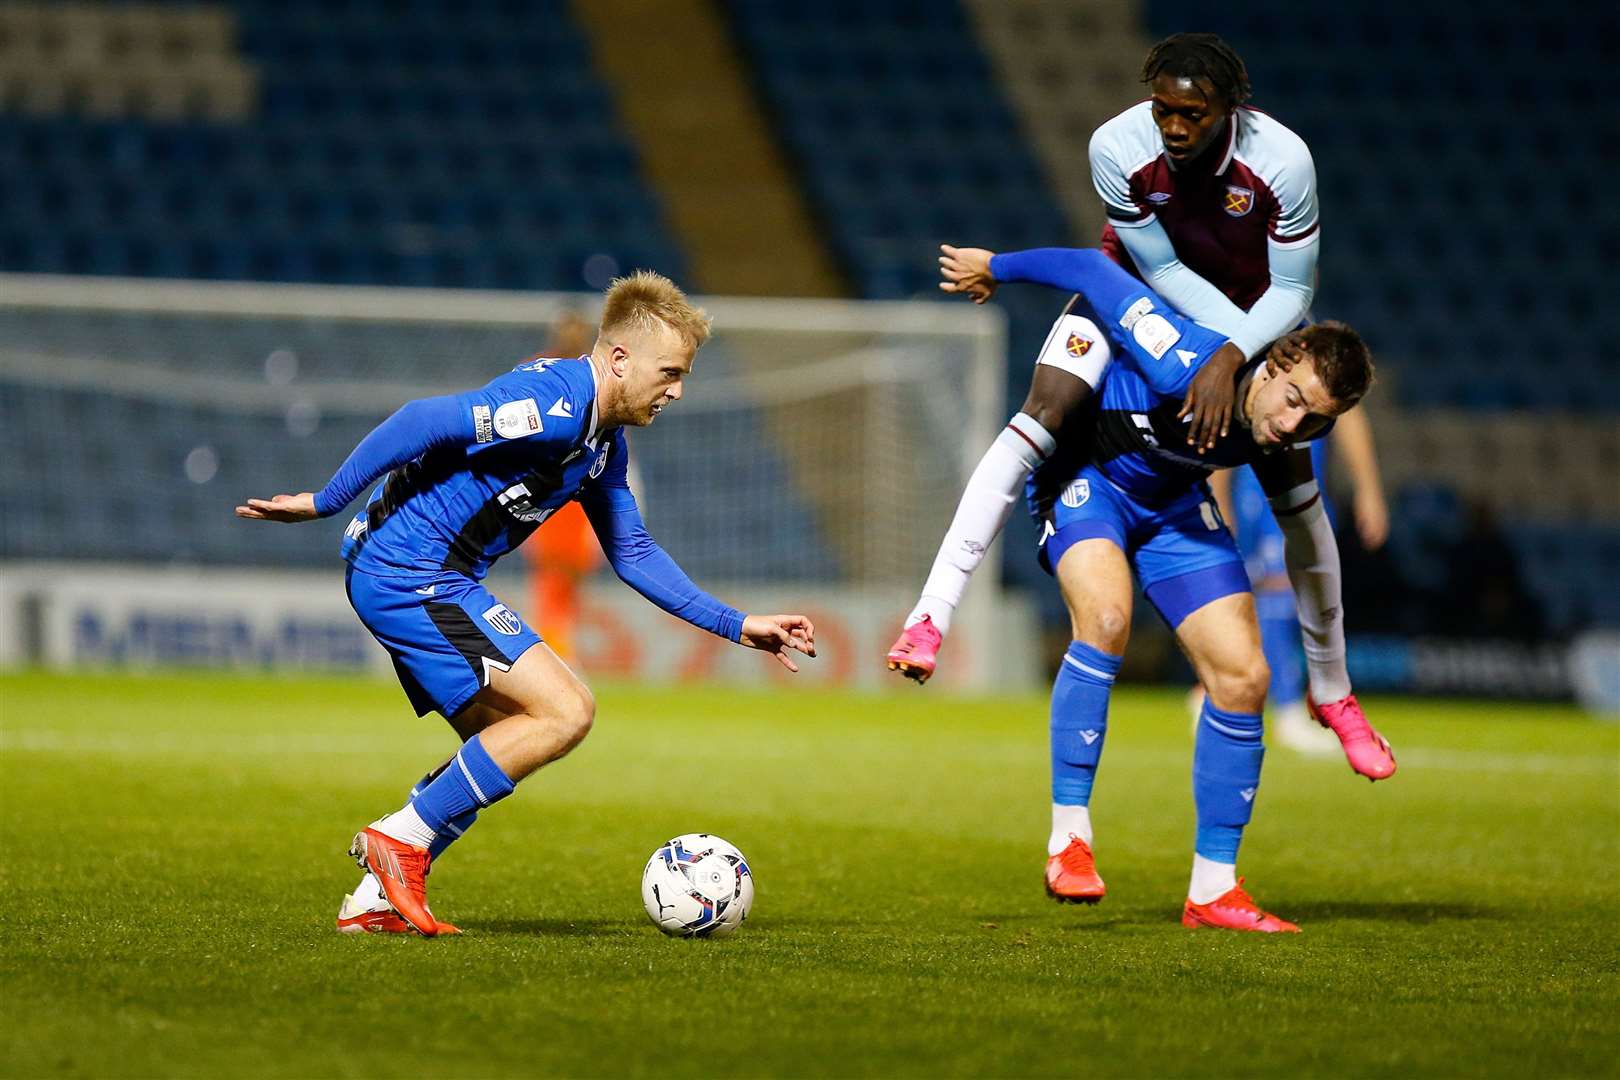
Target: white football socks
1210 879
1068 821
983 510
368 894
406 825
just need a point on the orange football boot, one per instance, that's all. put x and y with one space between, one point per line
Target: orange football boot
354 919
402 869
1234 910
1071 875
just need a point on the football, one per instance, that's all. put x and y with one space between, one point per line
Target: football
697 885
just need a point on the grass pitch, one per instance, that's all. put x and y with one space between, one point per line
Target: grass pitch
171 863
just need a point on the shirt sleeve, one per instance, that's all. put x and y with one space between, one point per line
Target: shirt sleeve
507 408
1165 347
1295 217
1155 256
1113 186
638 560
416 428
1286 300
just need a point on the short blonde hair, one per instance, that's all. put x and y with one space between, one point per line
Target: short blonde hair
647 299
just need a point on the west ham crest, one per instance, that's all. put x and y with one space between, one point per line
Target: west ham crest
1239 200
1079 345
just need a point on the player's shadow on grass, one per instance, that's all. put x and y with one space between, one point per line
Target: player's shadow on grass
1417 912
556 927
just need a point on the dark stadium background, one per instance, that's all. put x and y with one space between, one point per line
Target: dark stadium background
1463 157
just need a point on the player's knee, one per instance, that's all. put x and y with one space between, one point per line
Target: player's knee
1242 687
1106 626
576 713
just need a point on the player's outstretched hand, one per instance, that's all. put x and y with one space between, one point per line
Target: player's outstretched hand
967 271
1209 398
780 635
300 507
1286 351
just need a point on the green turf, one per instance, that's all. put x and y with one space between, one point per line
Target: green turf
171 862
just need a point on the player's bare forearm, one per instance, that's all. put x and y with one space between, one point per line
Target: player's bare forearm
1353 436
779 635
284 508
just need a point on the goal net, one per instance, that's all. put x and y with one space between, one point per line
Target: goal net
819 443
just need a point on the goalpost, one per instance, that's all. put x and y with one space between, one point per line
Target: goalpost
818 451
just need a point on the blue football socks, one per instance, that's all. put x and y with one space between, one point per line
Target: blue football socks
1226 778
451 801
455 826
1079 720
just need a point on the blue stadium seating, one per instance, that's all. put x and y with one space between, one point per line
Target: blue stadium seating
417 143
1471 186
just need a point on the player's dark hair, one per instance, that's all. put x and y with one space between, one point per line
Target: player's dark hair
1200 56
1342 360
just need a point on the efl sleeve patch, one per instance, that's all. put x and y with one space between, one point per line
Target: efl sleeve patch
518 419
482 426
1155 334
1077 346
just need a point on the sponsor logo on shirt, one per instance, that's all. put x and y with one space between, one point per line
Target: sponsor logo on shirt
1155 334
1076 494
1079 345
1239 200
504 620
517 419
482 424
1135 312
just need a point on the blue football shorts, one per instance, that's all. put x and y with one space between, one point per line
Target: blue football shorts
1182 554
444 632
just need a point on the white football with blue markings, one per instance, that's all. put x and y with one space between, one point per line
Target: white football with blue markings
697 885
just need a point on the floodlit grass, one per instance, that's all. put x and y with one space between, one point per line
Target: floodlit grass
171 863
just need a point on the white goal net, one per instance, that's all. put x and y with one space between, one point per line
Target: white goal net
819 443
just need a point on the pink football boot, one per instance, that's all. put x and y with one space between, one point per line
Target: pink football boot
1368 751
913 652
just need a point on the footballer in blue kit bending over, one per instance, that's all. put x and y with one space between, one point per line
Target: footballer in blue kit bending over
468 478
1121 492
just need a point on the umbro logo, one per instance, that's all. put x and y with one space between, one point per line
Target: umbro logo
1248 794
561 408
1159 196
1091 735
